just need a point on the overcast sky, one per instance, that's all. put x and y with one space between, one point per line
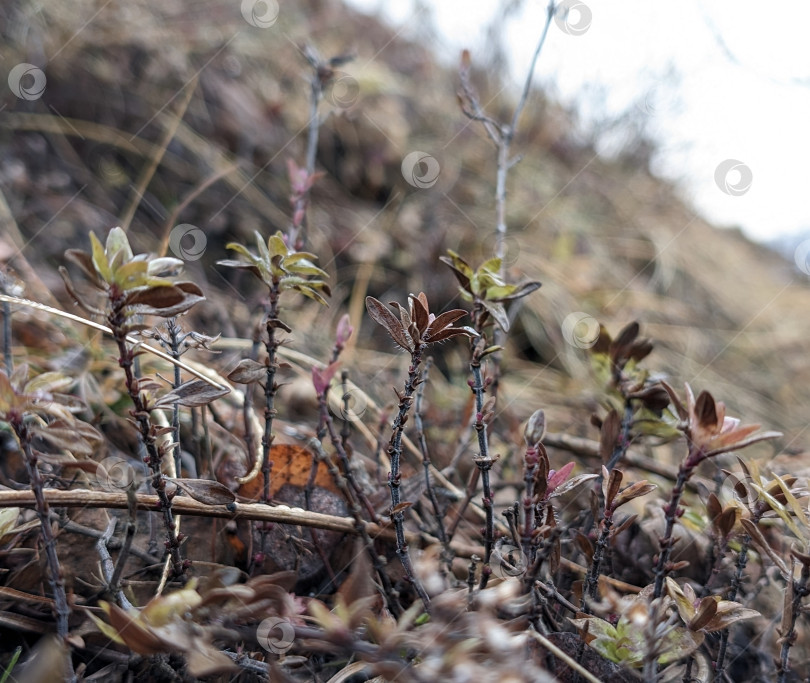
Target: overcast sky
724 86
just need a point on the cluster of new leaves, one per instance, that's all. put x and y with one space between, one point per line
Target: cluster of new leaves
761 497
189 620
626 641
615 496
417 326
616 365
486 289
705 615
542 485
709 431
281 268
132 284
42 403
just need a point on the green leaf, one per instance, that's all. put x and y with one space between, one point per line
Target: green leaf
794 504
492 265
276 246
311 293
499 292
244 251
685 608
303 268
8 520
301 256
518 291
100 262
118 246
264 253
680 643
47 382
131 275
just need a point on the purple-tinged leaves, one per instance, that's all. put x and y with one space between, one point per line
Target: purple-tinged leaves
322 377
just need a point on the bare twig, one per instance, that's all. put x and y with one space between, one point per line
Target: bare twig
502 134
40 504
422 441
395 478
107 566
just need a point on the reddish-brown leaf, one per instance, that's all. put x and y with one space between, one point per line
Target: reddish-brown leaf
382 316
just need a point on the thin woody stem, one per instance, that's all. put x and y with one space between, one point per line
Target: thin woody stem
45 529
343 483
422 442
484 463
271 345
592 577
147 430
800 591
736 581
687 467
395 478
